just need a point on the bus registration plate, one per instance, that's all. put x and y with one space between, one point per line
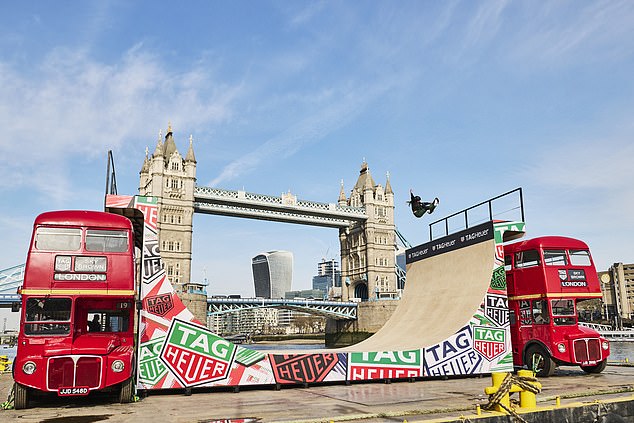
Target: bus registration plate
77 390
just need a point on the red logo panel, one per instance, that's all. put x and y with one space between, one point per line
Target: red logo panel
159 304
308 368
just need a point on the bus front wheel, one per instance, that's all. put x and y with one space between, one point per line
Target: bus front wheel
539 361
126 392
20 396
595 369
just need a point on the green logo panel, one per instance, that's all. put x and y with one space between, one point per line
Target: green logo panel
151 368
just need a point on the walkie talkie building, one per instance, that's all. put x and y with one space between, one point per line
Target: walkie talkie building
272 273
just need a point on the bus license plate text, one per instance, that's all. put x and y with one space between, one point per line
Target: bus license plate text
79 390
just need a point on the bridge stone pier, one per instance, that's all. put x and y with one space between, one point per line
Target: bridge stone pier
364 219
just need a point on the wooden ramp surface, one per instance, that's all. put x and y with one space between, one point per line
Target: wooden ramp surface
441 295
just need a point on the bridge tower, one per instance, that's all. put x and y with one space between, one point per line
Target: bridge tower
368 248
170 177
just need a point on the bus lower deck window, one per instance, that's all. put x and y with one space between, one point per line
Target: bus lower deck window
47 316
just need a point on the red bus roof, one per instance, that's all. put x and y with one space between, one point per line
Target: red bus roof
546 242
83 218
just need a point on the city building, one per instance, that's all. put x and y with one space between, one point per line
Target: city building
305 294
292 322
328 276
272 273
252 321
617 286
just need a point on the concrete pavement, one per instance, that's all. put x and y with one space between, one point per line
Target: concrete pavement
370 402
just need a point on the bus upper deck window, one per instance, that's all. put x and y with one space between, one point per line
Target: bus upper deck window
102 241
528 258
508 263
555 258
58 239
580 257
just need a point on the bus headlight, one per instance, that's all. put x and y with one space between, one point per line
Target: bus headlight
561 348
605 345
117 366
29 367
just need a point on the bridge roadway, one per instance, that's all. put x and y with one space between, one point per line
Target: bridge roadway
332 309
370 403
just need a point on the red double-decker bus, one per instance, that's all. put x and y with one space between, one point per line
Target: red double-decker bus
546 278
77 317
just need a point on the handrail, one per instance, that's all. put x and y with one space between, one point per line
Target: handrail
466 217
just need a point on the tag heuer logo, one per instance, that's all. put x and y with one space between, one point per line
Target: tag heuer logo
306 368
498 279
496 309
159 304
489 342
151 368
196 355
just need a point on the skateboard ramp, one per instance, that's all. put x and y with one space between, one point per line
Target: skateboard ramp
447 280
453 320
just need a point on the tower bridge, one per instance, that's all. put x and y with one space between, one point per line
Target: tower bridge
364 219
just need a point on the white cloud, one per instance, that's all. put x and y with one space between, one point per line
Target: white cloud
587 33
71 106
485 23
305 14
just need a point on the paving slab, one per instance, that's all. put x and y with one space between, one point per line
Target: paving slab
370 402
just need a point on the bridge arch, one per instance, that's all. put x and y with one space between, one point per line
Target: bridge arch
361 291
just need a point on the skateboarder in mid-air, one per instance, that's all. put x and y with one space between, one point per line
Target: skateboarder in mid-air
419 207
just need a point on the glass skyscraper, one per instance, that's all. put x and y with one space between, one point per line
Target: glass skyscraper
272 273
328 275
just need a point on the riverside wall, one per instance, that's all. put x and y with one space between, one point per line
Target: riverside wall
371 316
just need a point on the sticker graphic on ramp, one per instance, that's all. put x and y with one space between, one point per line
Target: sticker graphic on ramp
489 342
453 356
305 368
151 368
496 309
196 355
384 365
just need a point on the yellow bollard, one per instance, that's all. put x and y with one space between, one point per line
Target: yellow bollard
497 379
557 401
4 363
527 398
478 410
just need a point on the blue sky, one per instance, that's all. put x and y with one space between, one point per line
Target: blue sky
463 100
